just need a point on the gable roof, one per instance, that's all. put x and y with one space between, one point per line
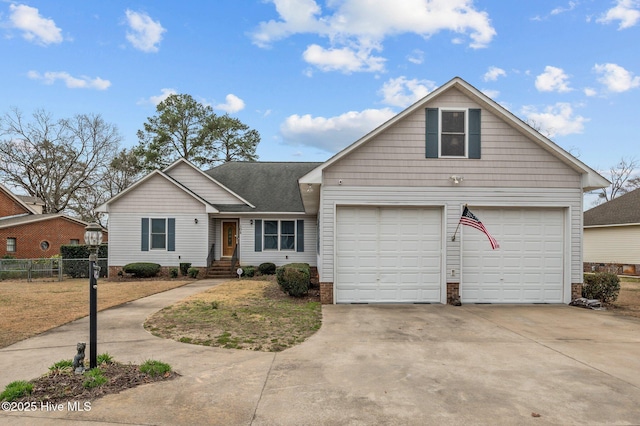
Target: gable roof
19 200
269 186
623 210
104 208
182 161
23 220
590 178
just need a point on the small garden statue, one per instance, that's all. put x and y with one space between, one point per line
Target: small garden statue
78 360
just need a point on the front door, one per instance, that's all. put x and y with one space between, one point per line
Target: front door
228 238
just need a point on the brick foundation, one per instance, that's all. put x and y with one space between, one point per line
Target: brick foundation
453 292
576 291
326 293
616 268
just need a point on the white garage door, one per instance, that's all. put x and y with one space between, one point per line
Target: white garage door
388 254
529 265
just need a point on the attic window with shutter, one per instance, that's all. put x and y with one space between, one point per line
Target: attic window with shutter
452 133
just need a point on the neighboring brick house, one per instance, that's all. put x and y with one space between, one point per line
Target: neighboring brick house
26 233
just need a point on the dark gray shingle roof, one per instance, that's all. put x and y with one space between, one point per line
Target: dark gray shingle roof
269 186
620 210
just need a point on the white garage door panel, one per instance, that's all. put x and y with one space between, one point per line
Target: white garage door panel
388 254
529 265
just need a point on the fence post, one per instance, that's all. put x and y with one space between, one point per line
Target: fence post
60 269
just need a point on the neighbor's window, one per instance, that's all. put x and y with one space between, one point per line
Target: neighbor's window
44 245
159 234
74 242
11 245
453 135
279 235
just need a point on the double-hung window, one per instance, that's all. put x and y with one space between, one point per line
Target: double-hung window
11 245
453 139
158 234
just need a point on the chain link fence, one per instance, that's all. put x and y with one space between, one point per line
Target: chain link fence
52 268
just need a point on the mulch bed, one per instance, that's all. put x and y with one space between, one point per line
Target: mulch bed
62 386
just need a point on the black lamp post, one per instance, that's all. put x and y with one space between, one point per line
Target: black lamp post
93 239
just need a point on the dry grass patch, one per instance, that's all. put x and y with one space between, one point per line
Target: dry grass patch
628 302
29 308
240 314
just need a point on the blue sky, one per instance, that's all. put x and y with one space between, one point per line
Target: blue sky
314 76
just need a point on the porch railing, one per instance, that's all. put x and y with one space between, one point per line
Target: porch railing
234 259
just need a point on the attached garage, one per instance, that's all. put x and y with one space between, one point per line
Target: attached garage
388 254
529 266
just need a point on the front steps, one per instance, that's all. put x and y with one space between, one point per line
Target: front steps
221 269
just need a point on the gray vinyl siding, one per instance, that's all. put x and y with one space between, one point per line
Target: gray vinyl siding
509 159
125 233
612 244
452 202
202 185
156 195
248 255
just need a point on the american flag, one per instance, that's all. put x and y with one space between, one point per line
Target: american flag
469 219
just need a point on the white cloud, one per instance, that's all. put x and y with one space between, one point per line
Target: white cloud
35 28
493 94
493 73
589 91
558 10
82 82
616 78
334 133
625 11
232 104
356 29
164 94
555 120
416 57
145 33
344 59
402 92
553 80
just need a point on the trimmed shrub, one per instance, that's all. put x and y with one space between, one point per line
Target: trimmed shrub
193 272
173 272
184 268
603 286
142 269
248 271
267 268
294 279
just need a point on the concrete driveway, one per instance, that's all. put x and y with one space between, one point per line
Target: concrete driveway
388 364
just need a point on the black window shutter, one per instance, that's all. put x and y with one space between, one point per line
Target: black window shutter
171 231
145 234
258 235
300 235
474 133
432 133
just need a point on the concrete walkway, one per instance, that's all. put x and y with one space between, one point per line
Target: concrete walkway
409 364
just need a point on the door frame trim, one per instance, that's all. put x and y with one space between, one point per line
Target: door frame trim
222 245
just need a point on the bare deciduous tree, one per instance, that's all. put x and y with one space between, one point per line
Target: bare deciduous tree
56 160
622 180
